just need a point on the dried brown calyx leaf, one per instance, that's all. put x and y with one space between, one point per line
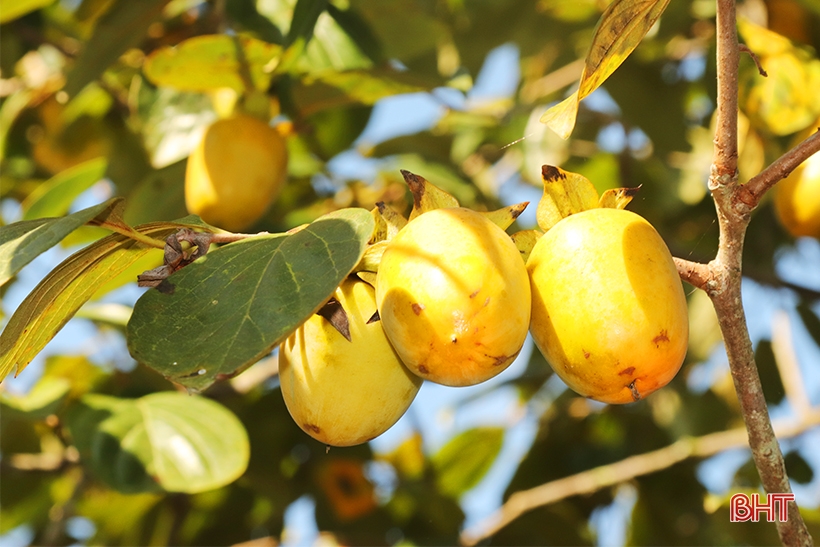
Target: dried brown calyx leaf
565 193
504 217
426 196
176 257
618 198
336 316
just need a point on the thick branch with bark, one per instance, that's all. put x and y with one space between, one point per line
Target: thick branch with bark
724 280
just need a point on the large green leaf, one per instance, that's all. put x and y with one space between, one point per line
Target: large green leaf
164 441
122 27
68 286
219 315
22 242
209 62
54 197
620 29
466 458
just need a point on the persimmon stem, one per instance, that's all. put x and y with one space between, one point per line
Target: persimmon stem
135 235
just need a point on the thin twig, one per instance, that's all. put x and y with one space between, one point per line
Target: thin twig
745 49
627 469
750 194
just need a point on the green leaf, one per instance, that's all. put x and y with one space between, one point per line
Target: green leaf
54 197
466 458
159 196
13 9
359 31
224 312
209 62
620 29
43 399
163 441
22 242
122 27
66 288
811 321
364 86
305 15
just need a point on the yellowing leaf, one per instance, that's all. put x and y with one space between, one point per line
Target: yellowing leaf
561 117
620 29
14 9
762 41
205 63
565 193
786 101
23 241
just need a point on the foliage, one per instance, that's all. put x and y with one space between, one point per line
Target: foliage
103 101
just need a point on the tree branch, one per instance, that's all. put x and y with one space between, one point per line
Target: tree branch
627 469
725 283
749 195
694 273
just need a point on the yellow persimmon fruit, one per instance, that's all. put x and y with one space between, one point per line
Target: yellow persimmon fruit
236 172
608 309
797 199
453 297
345 392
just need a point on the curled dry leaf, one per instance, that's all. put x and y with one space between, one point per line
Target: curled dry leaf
176 257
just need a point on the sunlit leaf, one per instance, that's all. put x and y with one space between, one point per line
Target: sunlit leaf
561 117
122 27
565 193
164 441
525 240
305 15
67 287
367 86
13 9
617 198
504 217
219 315
209 62
762 41
426 196
42 400
784 102
22 242
466 458
53 197
620 29
358 30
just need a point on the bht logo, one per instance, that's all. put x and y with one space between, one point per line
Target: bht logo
745 507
